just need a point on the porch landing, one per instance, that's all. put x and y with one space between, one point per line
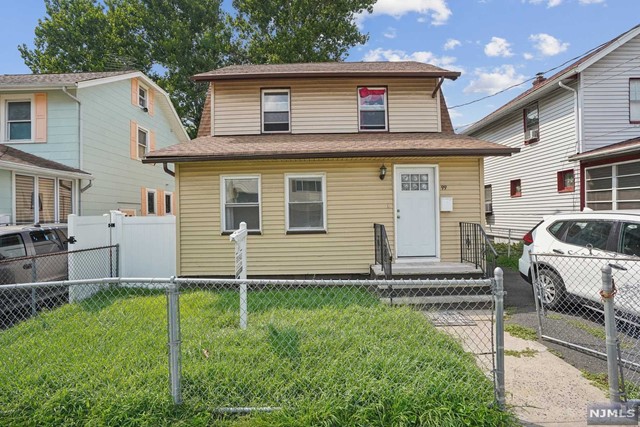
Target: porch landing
429 269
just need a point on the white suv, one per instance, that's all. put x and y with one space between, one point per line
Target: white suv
593 236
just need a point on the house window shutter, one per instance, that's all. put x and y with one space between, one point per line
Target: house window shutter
133 141
143 201
152 141
134 92
160 202
41 117
150 102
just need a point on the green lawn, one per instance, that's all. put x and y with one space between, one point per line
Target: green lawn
506 261
327 357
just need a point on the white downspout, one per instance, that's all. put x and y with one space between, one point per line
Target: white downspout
578 116
80 150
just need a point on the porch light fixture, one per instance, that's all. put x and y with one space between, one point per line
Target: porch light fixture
383 171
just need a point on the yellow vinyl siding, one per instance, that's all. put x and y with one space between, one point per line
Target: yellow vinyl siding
356 198
325 105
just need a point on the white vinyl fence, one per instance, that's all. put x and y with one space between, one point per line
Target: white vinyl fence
147 245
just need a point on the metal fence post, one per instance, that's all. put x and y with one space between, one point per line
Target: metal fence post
173 326
607 294
499 374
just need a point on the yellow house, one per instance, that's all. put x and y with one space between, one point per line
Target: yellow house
310 156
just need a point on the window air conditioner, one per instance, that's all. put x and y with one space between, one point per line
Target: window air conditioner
531 134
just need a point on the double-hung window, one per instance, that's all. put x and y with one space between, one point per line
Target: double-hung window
18 120
276 115
151 202
143 96
240 202
306 202
143 142
634 100
531 124
372 108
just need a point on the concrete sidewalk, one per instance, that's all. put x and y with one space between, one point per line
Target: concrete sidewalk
544 390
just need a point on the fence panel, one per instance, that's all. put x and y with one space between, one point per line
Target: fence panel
571 305
311 350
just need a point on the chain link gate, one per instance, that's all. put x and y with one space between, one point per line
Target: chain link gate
569 301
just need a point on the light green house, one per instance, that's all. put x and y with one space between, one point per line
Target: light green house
76 140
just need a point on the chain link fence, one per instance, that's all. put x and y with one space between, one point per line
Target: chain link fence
337 352
570 302
19 304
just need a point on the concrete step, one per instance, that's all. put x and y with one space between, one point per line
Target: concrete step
429 270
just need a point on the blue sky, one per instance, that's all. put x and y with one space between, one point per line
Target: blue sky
494 43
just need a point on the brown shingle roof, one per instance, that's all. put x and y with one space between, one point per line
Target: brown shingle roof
13 155
307 146
54 79
327 69
560 75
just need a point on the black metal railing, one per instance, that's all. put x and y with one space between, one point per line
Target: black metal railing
476 248
383 256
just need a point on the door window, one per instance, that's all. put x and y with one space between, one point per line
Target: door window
12 246
630 239
46 242
594 233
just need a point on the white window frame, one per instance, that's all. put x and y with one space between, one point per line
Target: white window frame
36 190
386 108
155 201
148 144
144 88
262 110
634 104
614 185
170 194
223 201
4 114
323 177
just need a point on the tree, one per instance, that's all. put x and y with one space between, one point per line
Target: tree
171 40
288 31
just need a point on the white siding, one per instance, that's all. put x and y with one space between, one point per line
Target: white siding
536 165
605 87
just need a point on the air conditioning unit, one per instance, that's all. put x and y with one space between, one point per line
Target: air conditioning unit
531 134
488 208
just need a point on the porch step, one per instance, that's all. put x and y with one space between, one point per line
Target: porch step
429 270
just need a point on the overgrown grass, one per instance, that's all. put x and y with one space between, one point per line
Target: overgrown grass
328 357
520 331
601 381
527 352
506 261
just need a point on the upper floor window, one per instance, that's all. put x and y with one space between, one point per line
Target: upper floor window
634 100
143 97
18 120
515 188
531 124
372 108
143 142
275 110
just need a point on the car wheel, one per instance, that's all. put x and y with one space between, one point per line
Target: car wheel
552 288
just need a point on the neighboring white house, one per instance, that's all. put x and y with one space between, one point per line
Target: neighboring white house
76 141
566 127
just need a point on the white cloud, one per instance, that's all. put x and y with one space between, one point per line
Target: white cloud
498 47
591 1
436 10
454 114
527 56
548 45
492 81
451 44
550 3
391 33
392 55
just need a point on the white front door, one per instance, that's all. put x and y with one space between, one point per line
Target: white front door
416 226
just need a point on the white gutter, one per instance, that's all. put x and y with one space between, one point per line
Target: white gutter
577 114
80 136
